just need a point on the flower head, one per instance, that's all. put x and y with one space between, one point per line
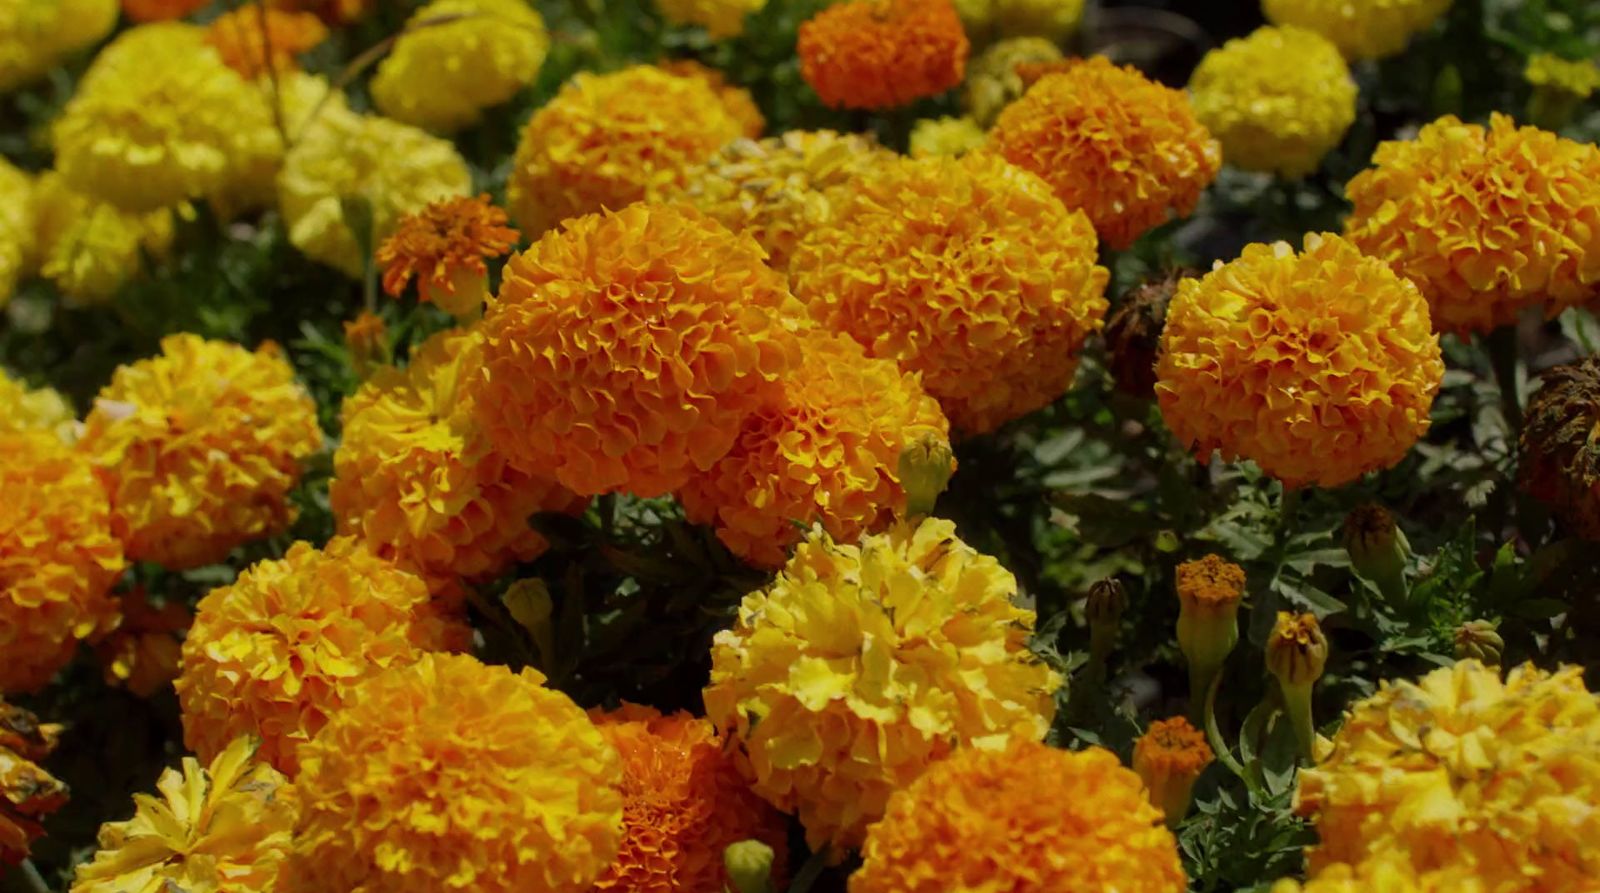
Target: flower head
624 352
737 100
160 10
449 774
992 80
1557 463
1386 873
1133 333
222 828
256 41
1169 757
1025 818
1051 20
881 54
89 248
334 12
285 107
862 665
1578 78
1486 221
17 238
721 18
982 282
1361 29
945 136
27 792
199 448
444 245
1128 171
35 409
37 34
142 653
1209 590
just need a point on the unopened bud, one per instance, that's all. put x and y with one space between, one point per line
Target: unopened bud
1103 609
1479 640
1378 548
926 465
749 864
1169 757
1209 590
1133 334
1297 651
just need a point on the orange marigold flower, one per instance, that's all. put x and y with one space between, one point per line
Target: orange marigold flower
142 653
160 10
449 774
199 448
27 792
827 451
608 140
981 281
334 12
444 245
737 99
624 352
278 651
1486 221
1028 818
1123 148
58 558
683 803
1169 757
1319 365
880 54
249 37
416 481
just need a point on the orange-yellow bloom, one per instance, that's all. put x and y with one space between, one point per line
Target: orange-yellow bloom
27 792
879 54
444 246
258 42
1388 872
142 653
738 101
35 409
1169 758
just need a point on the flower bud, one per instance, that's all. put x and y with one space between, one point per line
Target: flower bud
1297 651
1378 549
1479 640
1133 334
992 79
366 338
1107 600
1169 757
926 464
1209 590
749 864
1556 462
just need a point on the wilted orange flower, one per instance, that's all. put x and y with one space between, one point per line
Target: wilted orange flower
27 792
981 281
449 774
1121 147
277 652
1486 221
683 803
737 99
58 558
444 246
1556 462
624 352
142 653
1027 818
1318 365
160 10
879 54
249 36
1169 757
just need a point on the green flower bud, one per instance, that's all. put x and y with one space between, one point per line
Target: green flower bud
1378 549
749 864
1209 590
1297 651
926 464
1479 640
1107 600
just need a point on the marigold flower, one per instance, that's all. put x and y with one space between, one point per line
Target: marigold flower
1556 464
1385 873
1051 20
386 167
1580 78
444 246
449 774
284 107
1461 770
90 249
35 35
862 665
160 10
982 281
35 409
1128 172
750 865
334 12
683 803
1030 817
457 58
722 19
1362 29
366 341
258 42
27 792
737 100
58 559
945 136
827 451
16 229
199 448
624 352
992 80
608 140
880 54
1486 221
142 653
222 828
1319 366
1169 758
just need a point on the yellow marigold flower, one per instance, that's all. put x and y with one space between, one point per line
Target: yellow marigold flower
449 774
58 558
1169 758
258 42
624 352
90 248
1319 366
1556 464
683 803
1386 873
1278 100
945 136
35 409
982 281
389 168
862 665
16 229
35 35
444 246
214 830
992 80
1580 78
415 480
737 100
1027 818
1460 770
826 452
142 653
721 18
880 54
199 448
280 113
457 58
160 10
1486 221
1052 20
1362 29
1128 172
776 189
608 140
27 792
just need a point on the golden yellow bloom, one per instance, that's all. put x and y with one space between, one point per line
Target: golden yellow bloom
1052 20
1486 222
992 79
90 248
448 774
142 653
16 229
383 166
1579 78
945 136
1128 172
35 409
444 246
258 42
736 99
683 803
1362 29
1387 873
1025 818
861 665
881 54
981 281
27 792
608 140
58 558
624 352
35 35
721 18
220 829
1556 463
1319 366
160 10
282 109
1169 758
1459 770
199 448
827 451
457 58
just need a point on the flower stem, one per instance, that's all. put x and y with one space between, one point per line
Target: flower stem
1502 346
1214 735
1297 706
809 872
31 878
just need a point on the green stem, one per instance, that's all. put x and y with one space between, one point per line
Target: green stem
32 879
809 872
1288 512
1297 706
1214 735
1502 346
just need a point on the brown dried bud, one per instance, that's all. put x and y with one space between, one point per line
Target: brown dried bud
1133 333
1560 450
27 792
